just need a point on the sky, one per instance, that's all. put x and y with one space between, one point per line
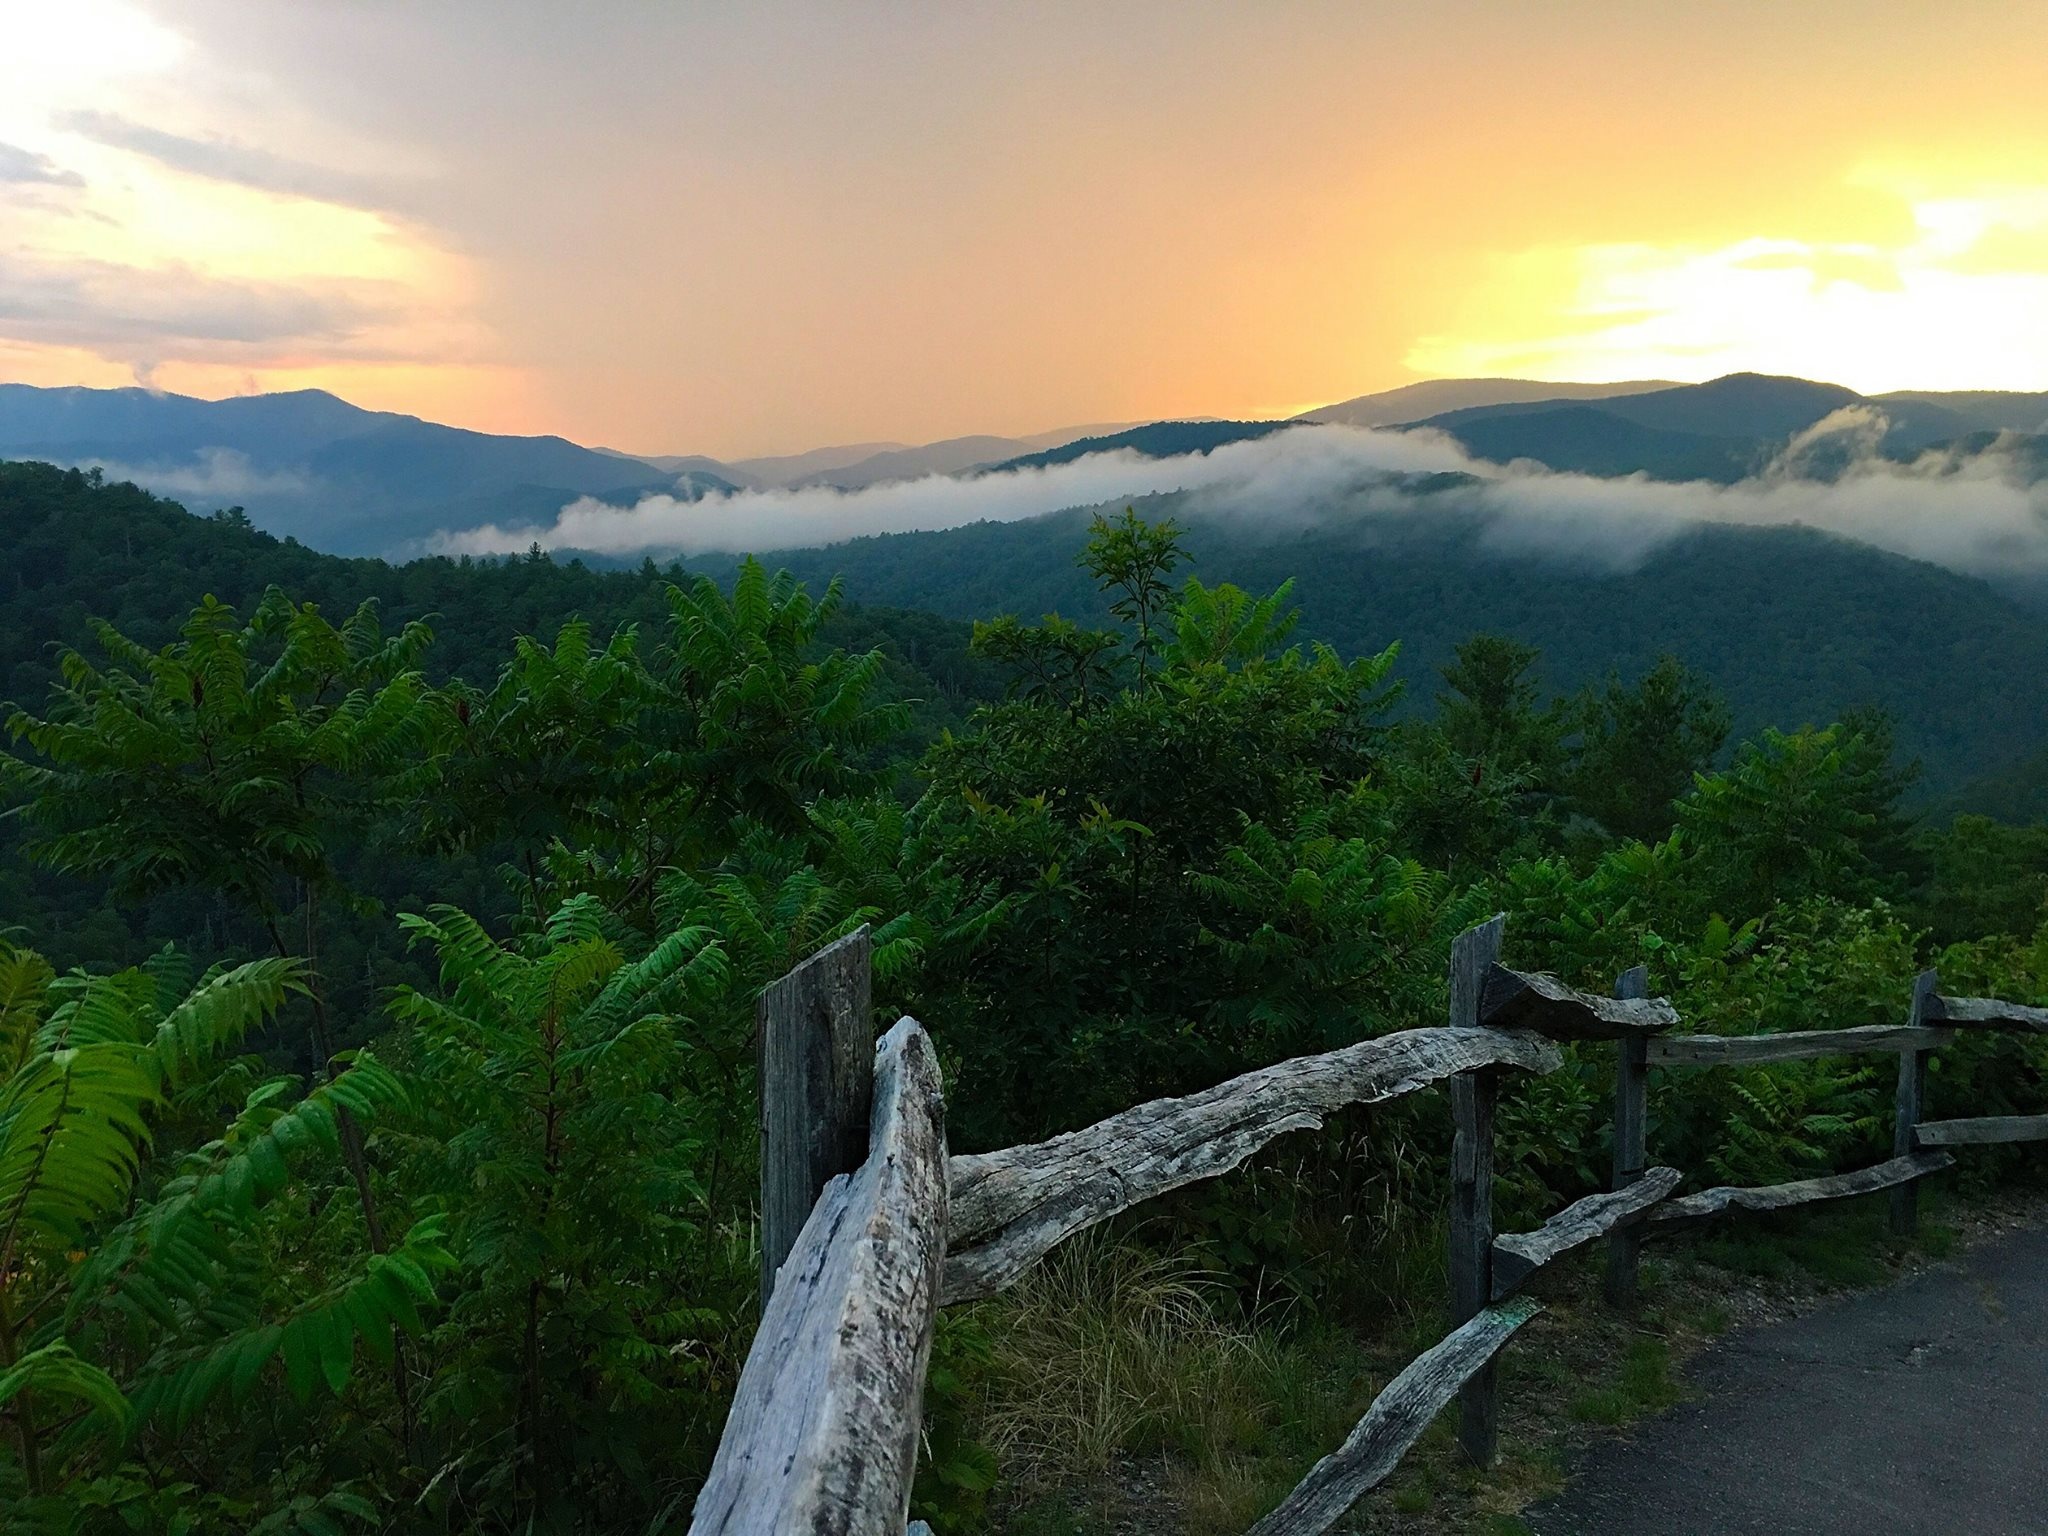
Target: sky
742 229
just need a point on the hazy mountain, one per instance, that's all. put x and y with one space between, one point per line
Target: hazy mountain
354 481
1159 440
1984 410
1593 442
1432 397
313 466
947 457
1059 437
851 465
781 469
1720 430
1751 405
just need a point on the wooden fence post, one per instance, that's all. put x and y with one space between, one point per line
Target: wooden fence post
1472 1101
1908 1105
1631 1114
817 1070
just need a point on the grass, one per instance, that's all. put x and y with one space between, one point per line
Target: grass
1847 1247
1110 1356
1645 1387
1126 1391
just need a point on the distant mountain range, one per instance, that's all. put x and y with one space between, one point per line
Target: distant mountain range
1432 397
313 467
308 465
1794 624
351 481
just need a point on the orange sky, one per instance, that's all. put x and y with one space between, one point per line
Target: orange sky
764 227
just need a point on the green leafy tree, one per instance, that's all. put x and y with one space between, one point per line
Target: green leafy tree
1806 813
236 760
1640 748
1053 662
1490 710
565 1134
1131 560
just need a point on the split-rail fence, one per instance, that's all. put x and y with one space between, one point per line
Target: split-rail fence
869 1227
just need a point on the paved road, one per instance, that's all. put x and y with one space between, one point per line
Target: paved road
1919 1409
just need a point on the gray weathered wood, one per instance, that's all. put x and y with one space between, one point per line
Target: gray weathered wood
1474 956
1779 1197
1539 1001
1011 1207
1909 1104
1806 1045
1987 1013
1631 1123
1984 1130
1517 1257
822 1437
1393 1423
817 1053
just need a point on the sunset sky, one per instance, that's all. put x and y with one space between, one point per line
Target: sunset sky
755 228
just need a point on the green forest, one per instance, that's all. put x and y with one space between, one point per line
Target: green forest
377 1116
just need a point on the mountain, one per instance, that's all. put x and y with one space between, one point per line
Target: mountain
1433 397
852 465
1159 440
1587 441
1059 437
1982 410
1720 430
947 457
1752 405
1793 625
781 469
309 465
82 550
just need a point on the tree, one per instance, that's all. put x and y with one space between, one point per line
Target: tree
1489 710
1131 559
234 760
1640 748
567 1129
1796 815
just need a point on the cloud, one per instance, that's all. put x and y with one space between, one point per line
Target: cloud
1960 302
24 167
144 313
1983 514
821 514
213 474
242 165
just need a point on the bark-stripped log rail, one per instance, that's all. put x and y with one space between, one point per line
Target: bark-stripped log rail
1519 1255
823 1432
1779 1197
1539 1001
1806 1045
1986 1013
1011 1207
1393 1423
1984 1130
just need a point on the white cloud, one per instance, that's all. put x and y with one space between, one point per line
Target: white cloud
1984 514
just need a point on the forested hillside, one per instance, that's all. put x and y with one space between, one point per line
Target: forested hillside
82 551
391 1165
1793 626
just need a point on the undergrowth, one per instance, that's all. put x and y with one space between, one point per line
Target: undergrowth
1126 1387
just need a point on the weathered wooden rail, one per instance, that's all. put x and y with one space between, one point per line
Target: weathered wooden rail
868 1227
